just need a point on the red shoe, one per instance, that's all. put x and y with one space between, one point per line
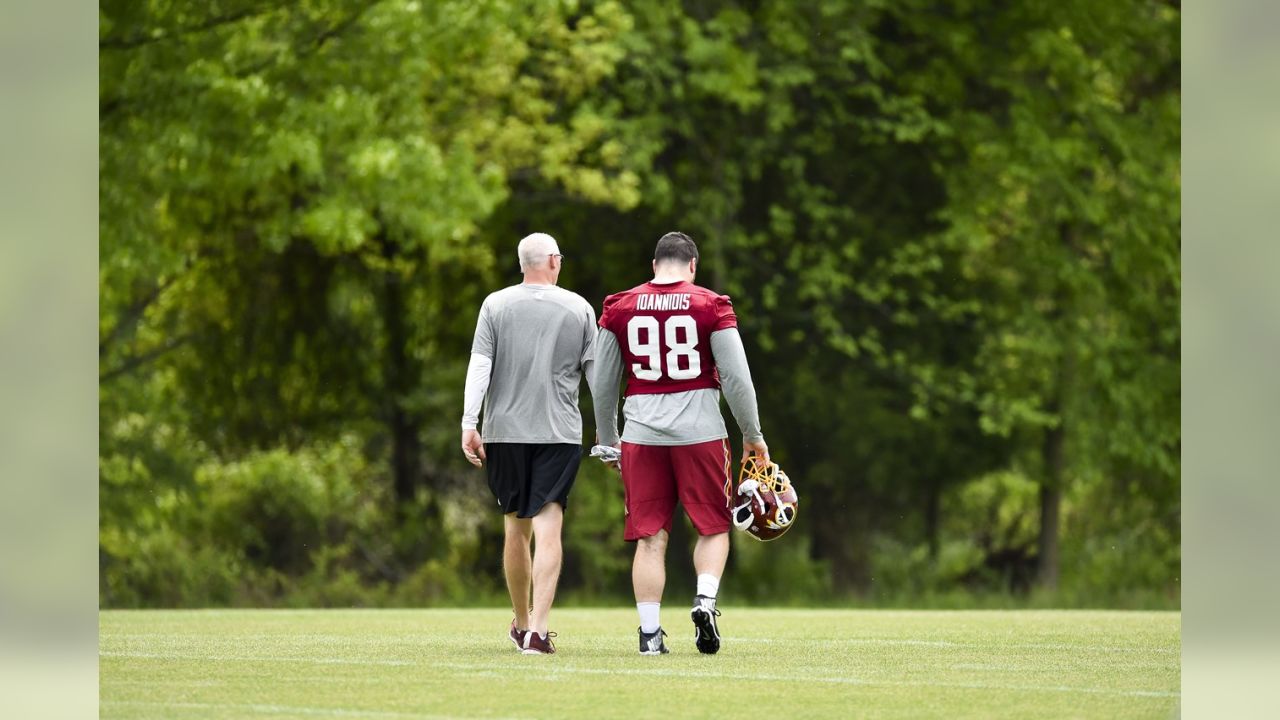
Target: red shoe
535 644
517 636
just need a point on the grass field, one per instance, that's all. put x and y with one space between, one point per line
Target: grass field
774 663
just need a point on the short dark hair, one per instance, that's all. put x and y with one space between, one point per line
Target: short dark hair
675 246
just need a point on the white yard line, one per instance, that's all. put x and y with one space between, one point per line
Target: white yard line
950 644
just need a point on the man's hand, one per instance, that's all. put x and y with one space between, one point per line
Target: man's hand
759 448
610 455
473 447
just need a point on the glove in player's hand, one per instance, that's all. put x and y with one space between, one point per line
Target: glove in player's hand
610 455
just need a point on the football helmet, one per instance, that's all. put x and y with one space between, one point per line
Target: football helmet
767 501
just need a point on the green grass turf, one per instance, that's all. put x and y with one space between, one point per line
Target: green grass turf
774 663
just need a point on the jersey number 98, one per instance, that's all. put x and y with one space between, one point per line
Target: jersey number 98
677 348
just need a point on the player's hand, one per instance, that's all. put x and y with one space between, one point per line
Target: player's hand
616 465
473 447
756 448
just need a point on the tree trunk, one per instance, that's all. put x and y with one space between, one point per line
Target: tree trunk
1055 437
1050 506
932 510
406 455
840 538
405 462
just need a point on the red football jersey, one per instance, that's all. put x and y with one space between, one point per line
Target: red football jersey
664 332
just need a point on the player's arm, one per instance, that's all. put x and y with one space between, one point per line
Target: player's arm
604 381
479 370
739 392
588 342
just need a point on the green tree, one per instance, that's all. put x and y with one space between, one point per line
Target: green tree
290 200
1063 195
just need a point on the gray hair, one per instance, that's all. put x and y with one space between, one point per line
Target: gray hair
535 250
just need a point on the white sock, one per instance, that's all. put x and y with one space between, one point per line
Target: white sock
649 616
708 585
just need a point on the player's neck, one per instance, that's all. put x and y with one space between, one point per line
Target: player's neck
669 278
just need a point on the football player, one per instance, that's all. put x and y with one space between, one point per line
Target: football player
678 346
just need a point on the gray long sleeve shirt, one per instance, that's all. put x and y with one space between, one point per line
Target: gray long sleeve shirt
538 340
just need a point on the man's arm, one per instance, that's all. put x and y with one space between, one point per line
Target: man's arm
479 370
604 380
588 343
735 383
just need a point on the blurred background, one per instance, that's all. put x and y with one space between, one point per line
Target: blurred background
950 230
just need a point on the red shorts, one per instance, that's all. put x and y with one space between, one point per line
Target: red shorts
655 476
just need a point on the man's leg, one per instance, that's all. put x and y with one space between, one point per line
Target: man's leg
702 473
648 577
651 500
704 485
546 563
516 565
649 571
710 554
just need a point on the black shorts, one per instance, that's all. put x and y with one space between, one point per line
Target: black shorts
526 476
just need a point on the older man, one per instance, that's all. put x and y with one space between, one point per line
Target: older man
531 350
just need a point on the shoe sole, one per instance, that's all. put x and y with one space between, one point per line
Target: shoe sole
535 652
707 639
653 652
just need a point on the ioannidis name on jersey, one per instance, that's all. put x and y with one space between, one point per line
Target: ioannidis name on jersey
663 301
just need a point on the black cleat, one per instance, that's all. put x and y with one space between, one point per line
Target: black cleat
651 643
706 635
